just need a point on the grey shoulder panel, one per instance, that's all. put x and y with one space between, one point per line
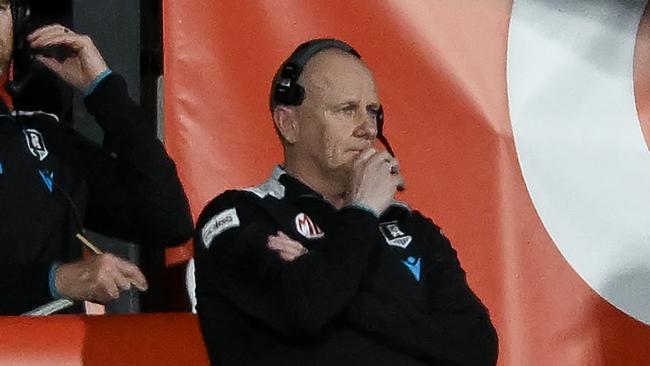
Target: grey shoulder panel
272 187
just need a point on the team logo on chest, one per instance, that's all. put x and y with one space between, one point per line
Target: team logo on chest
307 228
394 235
36 144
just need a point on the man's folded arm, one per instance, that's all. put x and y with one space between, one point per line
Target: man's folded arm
295 298
454 326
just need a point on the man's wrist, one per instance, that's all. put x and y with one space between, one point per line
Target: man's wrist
91 88
54 268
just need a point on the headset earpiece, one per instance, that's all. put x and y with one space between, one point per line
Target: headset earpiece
287 90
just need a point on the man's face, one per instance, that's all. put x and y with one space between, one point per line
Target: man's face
6 33
337 119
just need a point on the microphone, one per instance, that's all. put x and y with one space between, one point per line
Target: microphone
384 141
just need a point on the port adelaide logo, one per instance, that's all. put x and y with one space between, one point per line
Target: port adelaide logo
394 235
36 144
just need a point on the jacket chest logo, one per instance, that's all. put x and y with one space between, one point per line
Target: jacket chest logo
307 228
36 144
394 235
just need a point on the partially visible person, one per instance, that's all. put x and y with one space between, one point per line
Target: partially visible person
320 265
53 183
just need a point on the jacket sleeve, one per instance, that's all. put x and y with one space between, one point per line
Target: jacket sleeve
296 299
17 297
134 192
454 327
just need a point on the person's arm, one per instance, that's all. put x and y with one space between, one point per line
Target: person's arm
295 298
101 278
133 189
23 286
455 326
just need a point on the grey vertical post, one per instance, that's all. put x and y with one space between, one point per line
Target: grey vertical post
114 26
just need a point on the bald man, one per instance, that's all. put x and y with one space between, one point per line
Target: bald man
320 265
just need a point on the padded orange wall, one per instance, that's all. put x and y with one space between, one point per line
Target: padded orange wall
440 66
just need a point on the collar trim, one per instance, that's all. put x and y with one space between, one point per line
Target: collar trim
274 188
271 187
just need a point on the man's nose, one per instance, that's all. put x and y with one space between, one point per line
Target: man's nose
367 128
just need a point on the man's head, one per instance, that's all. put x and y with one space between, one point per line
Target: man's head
6 33
335 120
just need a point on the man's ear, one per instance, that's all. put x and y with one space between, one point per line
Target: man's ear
286 123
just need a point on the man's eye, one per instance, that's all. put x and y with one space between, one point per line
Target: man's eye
349 109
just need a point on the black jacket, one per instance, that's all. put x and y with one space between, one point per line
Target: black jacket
53 181
369 292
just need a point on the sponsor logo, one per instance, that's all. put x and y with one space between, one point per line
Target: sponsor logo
307 228
36 144
394 235
223 221
413 265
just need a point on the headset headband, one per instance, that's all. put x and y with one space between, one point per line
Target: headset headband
286 89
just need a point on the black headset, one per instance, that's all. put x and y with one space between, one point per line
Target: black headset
286 90
20 13
23 54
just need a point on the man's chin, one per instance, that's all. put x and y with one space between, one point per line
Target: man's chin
344 171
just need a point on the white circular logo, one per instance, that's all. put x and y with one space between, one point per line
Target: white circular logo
579 139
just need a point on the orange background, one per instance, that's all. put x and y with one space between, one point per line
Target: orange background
441 71
134 340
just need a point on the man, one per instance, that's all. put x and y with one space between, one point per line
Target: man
53 182
320 265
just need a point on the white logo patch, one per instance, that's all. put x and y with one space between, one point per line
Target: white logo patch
308 228
221 222
394 235
36 144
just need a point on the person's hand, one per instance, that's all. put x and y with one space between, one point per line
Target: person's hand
288 249
375 179
99 278
82 67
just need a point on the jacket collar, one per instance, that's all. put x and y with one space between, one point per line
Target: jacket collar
294 189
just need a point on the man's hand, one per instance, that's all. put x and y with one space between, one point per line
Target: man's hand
288 249
100 278
375 179
80 69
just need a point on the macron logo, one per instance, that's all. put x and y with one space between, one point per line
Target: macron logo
413 265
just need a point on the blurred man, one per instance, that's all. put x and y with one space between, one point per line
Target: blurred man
320 265
53 182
